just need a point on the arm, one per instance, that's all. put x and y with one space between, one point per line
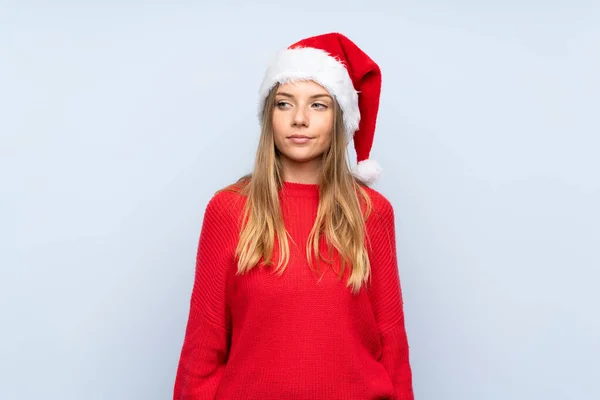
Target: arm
386 298
206 343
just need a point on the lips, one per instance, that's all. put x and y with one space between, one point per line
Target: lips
299 137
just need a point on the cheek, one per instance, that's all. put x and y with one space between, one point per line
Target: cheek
279 130
326 127
279 124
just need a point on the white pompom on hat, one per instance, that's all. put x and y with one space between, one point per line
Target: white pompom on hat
348 74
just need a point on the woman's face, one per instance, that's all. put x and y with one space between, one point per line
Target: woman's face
302 121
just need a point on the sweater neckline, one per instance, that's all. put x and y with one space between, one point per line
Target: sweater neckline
300 189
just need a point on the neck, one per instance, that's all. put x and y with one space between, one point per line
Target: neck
301 172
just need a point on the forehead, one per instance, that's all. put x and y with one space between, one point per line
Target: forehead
302 87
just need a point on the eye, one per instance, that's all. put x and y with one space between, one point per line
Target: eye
320 106
282 104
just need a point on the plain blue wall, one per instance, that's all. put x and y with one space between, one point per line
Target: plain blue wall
119 121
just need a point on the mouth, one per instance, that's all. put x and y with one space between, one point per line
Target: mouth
299 139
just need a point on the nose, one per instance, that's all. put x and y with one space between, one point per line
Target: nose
300 117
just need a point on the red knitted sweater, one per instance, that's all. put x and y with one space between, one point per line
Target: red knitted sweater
297 335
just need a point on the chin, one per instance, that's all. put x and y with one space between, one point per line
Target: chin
301 158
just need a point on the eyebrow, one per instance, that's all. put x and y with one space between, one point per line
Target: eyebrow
316 96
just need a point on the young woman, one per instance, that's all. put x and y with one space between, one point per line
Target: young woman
297 293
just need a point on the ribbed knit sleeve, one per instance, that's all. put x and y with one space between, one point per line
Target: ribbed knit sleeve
205 348
386 297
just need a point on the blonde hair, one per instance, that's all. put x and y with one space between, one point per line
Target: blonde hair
339 217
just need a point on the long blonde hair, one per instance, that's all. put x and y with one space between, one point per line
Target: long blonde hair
339 218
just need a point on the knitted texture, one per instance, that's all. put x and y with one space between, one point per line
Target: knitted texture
298 335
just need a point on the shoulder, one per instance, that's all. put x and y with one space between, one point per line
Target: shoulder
225 205
226 200
381 205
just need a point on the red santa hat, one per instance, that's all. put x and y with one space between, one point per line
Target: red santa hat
348 74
